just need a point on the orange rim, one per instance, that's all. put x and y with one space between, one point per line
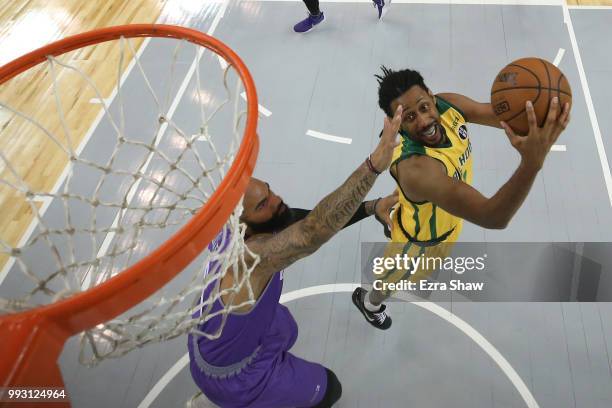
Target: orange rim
32 340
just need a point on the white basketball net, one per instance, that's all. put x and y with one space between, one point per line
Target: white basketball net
153 160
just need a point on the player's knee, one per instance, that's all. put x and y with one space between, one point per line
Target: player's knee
333 391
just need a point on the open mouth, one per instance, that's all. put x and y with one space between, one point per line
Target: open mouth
431 135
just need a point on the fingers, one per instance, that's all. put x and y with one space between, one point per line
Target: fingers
566 121
392 126
531 116
392 199
385 204
397 118
514 139
381 157
561 123
565 116
387 220
553 111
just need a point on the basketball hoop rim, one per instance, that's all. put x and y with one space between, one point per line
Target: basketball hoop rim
86 309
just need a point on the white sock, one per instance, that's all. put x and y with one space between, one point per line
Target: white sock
369 306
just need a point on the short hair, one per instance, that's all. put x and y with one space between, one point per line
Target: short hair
393 84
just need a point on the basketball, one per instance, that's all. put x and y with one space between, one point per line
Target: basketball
526 79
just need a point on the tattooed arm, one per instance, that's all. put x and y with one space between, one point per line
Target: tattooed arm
379 207
329 216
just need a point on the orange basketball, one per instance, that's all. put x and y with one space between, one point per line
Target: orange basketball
526 79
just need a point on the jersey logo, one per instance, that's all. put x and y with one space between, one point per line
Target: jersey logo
455 122
463 132
466 154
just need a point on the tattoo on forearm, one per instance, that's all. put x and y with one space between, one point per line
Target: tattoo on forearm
334 211
304 237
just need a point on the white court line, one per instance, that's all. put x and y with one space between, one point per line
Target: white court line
589 7
330 138
162 130
439 311
558 148
166 378
603 158
222 61
43 209
559 56
9 264
97 101
262 110
44 200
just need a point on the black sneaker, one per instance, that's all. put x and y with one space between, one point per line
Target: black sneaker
379 319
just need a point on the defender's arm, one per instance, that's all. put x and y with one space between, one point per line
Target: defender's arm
330 215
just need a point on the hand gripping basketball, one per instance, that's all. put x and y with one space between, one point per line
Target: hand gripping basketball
539 140
381 157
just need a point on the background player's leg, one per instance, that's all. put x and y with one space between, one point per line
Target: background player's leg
313 7
315 16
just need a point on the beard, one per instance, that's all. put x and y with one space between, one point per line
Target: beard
279 221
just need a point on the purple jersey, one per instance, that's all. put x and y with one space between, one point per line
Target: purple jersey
248 365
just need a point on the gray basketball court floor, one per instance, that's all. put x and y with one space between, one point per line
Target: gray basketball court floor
482 354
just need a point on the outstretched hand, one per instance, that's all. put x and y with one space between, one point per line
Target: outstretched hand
381 157
383 207
535 146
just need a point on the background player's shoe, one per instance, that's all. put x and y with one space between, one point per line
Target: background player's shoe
382 6
379 319
308 23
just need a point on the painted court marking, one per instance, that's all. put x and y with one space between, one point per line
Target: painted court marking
103 101
108 239
558 148
559 56
456 321
603 159
46 203
262 110
589 7
329 138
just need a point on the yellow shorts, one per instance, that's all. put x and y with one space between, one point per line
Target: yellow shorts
431 256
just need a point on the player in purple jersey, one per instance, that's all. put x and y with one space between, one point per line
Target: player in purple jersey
249 364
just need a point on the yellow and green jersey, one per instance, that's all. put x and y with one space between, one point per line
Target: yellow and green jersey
425 222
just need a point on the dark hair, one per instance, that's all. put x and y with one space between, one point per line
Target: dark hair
393 84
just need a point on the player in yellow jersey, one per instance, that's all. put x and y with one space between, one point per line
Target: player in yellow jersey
433 170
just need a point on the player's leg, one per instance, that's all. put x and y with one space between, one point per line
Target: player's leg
271 379
382 6
315 16
295 382
429 258
370 304
333 391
